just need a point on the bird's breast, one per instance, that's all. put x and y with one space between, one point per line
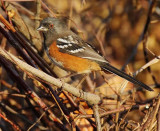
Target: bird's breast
70 62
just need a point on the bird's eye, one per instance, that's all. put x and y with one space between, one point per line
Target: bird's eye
51 25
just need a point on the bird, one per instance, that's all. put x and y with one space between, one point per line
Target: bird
70 52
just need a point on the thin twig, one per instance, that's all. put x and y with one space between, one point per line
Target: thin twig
6 107
135 107
158 120
155 113
70 13
38 11
154 61
45 6
16 127
152 116
117 114
36 121
97 117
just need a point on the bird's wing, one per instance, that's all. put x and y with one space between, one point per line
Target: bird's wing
77 47
84 50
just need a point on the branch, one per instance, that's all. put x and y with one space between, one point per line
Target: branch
97 117
92 99
154 61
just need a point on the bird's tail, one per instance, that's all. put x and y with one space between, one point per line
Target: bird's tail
107 67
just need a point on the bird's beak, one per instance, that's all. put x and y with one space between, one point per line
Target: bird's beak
42 28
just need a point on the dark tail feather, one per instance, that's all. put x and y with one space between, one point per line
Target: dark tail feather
109 68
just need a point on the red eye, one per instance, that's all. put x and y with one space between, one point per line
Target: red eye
51 25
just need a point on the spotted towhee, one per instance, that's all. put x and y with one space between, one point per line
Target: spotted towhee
70 52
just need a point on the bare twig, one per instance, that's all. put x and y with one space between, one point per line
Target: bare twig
22 9
27 89
45 6
117 114
11 110
97 117
145 52
91 98
116 110
158 120
155 112
70 13
37 16
36 121
152 116
154 61
16 127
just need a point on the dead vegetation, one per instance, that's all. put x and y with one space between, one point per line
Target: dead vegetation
33 98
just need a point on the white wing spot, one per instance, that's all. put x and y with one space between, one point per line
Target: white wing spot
68 39
69 44
62 46
63 40
77 50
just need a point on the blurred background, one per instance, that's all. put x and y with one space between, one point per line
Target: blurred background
126 32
